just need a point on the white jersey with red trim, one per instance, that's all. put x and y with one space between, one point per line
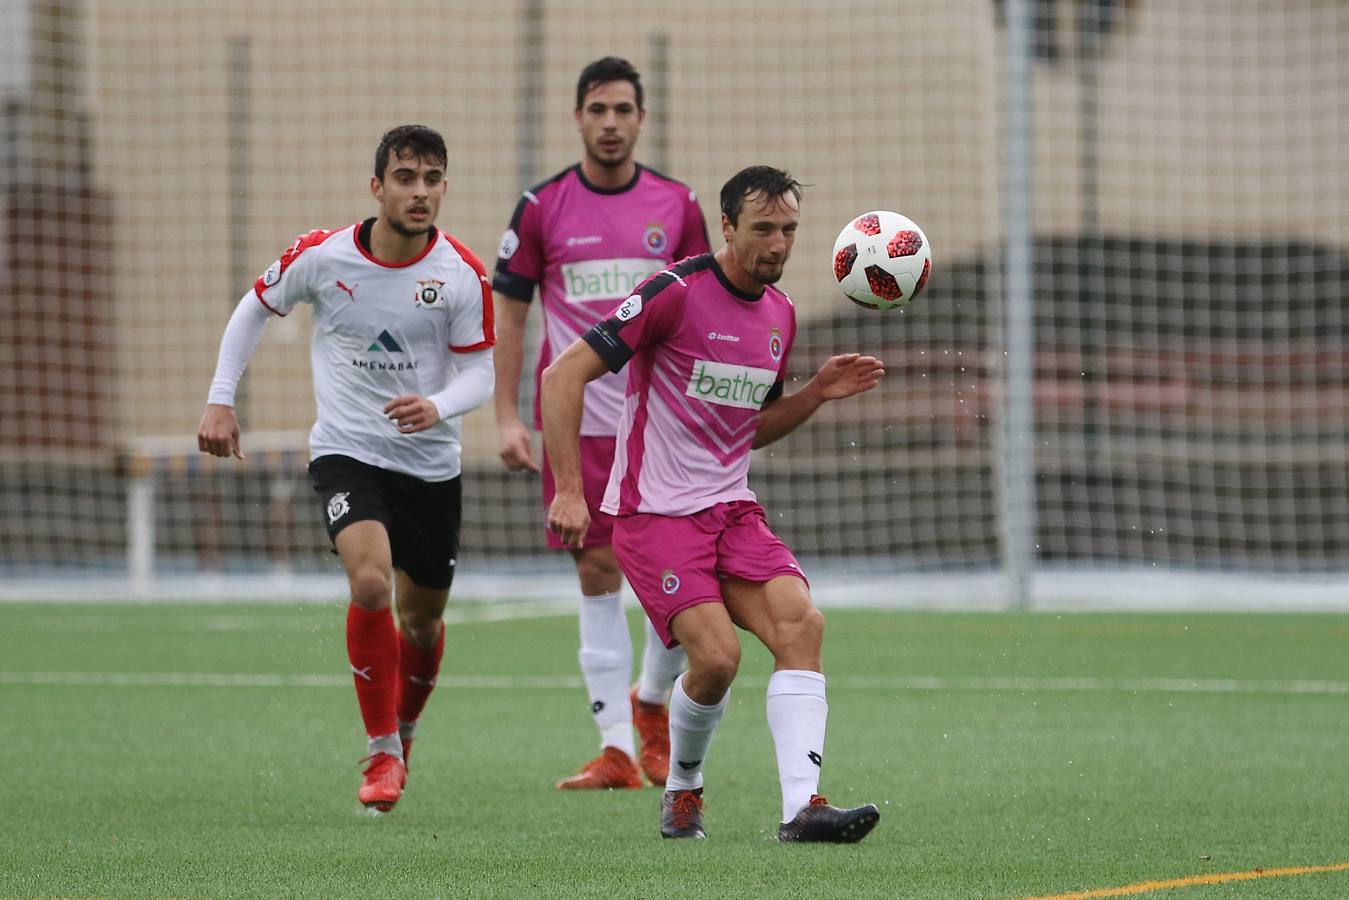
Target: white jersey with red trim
382 330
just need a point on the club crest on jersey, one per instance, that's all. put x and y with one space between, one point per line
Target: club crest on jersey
655 239
273 274
775 345
338 506
629 308
669 581
429 295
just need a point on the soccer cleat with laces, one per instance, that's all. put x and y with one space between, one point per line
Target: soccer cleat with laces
681 814
653 732
383 784
611 770
821 823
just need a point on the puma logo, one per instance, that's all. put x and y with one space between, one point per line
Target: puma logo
351 291
362 673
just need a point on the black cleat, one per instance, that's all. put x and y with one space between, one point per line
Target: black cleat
821 823
681 814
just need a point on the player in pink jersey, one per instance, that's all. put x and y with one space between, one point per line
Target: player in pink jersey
706 345
401 349
586 238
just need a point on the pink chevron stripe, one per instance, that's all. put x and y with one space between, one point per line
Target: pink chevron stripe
702 412
726 452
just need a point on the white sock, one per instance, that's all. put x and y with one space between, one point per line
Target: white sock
691 727
606 666
797 712
661 665
389 743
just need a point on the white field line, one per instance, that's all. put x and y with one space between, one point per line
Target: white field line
569 682
243 622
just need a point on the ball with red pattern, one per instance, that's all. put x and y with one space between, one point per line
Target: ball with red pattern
882 260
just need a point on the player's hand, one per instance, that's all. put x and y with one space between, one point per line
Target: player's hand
848 374
569 518
218 433
412 413
517 447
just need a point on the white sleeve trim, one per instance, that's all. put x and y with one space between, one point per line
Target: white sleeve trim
237 346
470 387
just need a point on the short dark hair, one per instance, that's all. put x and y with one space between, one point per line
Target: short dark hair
771 182
603 71
421 140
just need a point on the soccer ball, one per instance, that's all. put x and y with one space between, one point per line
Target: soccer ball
882 260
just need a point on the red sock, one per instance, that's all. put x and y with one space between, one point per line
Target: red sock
372 648
417 670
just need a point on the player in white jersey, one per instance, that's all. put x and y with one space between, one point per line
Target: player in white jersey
709 342
585 238
401 350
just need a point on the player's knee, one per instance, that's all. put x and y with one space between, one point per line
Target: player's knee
370 588
421 630
715 667
799 636
598 574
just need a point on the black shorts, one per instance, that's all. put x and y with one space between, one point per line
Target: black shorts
421 517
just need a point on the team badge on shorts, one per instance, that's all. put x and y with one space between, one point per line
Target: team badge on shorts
338 506
669 581
654 239
775 345
428 294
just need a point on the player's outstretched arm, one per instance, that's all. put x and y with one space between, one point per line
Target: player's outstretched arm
561 398
517 444
218 431
839 377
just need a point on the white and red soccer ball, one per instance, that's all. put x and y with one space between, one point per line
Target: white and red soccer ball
882 260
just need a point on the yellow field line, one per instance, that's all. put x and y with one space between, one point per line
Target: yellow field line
1143 887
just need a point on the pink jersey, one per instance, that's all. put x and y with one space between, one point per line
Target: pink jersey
705 358
587 248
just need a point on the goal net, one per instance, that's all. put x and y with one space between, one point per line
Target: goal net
1189 238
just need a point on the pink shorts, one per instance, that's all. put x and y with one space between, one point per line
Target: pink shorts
674 562
597 458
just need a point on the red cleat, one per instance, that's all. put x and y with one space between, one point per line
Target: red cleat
383 784
653 734
681 814
611 770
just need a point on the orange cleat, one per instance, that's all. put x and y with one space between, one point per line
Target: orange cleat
653 734
611 770
383 784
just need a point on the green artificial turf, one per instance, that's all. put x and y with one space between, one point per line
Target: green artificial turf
1010 755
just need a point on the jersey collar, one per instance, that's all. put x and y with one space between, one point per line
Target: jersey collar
632 182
